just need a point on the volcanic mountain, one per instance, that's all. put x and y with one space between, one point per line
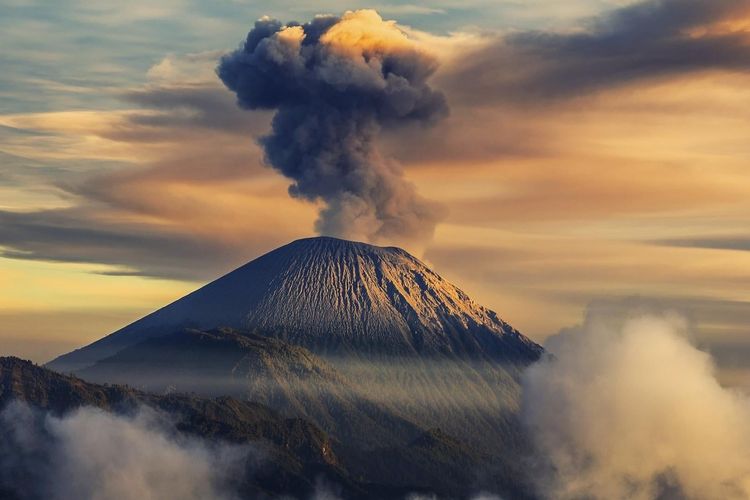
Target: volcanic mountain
336 298
365 342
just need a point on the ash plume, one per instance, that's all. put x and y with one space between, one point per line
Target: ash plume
335 83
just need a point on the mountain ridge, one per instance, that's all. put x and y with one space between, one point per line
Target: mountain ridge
295 450
296 454
287 378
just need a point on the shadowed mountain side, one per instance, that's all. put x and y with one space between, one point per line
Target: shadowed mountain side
475 401
287 378
295 454
294 451
336 298
364 405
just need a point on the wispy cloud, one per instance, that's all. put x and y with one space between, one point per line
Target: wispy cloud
647 40
739 243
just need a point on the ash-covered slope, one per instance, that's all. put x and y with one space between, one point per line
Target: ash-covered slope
287 378
334 297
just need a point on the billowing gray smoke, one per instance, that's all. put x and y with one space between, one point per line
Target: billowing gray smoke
335 83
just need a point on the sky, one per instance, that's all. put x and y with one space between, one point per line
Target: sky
594 153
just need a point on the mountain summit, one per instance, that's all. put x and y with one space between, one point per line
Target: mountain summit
333 297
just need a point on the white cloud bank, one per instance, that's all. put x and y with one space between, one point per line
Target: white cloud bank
94 455
628 408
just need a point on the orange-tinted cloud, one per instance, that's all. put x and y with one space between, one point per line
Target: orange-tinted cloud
646 40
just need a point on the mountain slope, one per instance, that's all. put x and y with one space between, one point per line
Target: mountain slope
295 450
334 297
288 378
296 454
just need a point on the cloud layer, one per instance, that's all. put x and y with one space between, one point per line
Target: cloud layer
626 407
646 40
96 455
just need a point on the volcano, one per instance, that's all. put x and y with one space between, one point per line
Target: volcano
336 298
365 342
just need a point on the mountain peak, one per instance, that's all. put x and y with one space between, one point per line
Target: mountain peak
333 297
333 245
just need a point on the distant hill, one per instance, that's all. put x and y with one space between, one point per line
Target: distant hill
241 364
297 454
296 450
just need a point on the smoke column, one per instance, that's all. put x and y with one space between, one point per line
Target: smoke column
335 83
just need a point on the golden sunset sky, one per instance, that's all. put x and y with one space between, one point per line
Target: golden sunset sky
597 153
